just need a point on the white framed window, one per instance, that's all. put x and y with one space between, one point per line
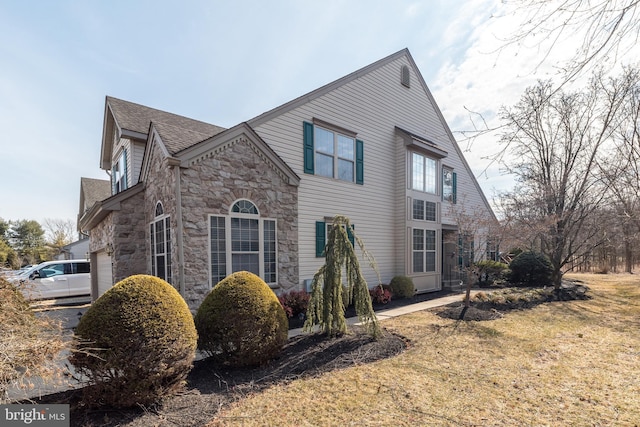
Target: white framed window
160 236
335 154
243 241
449 184
424 210
423 250
423 173
119 173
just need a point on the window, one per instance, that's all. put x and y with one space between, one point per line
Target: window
243 241
424 250
119 173
466 254
333 154
423 210
160 237
423 173
449 184
322 232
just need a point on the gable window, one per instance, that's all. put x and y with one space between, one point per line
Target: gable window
243 241
423 250
423 173
449 184
160 235
119 173
332 153
424 210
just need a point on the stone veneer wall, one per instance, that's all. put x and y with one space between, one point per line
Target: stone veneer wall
159 187
129 256
211 186
125 230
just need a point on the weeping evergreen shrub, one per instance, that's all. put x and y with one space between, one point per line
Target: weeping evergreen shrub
328 294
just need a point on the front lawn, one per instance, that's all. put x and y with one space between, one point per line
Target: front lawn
559 363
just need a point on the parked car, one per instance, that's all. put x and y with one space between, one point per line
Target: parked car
55 279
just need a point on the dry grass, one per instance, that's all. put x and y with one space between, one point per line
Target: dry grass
30 346
565 363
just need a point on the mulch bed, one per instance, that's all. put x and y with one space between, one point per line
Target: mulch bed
211 386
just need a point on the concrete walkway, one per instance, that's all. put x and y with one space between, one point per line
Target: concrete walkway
399 311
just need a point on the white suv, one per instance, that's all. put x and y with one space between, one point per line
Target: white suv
55 279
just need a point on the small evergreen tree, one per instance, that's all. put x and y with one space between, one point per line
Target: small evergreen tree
326 305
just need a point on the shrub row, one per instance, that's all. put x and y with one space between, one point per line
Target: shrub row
137 342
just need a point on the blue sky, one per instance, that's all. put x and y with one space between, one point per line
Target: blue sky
223 63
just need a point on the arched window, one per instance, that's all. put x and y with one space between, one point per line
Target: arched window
160 239
243 241
405 76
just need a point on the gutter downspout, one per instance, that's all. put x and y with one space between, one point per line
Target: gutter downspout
175 163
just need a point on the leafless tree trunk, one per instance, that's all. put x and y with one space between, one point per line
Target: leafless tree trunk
559 140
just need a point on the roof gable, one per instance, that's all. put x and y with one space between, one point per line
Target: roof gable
92 191
240 133
133 120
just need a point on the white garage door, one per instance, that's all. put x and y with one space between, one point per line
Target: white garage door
105 279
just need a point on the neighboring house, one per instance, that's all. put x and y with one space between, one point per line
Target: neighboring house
192 202
76 250
91 191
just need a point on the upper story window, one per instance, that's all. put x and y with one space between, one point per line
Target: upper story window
424 210
449 184
119 173
333 153
423 173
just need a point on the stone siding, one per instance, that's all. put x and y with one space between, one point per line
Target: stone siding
211 186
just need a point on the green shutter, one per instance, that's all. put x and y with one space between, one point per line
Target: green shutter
350 235
321 237
455 187
359 162
308 148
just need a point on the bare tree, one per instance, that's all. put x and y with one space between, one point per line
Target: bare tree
609 30
558 139
60 232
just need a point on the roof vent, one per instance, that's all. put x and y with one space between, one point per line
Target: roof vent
405 77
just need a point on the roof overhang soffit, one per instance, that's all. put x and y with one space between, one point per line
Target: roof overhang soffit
422 144
242 133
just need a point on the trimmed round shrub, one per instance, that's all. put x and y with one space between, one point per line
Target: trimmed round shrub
402 287
136 343
531 268
241 321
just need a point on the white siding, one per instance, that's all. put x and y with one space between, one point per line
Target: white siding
372 105
135 162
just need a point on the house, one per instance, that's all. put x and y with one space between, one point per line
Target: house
192 202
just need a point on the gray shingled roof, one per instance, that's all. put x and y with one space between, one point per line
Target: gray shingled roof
177 138
136 117
94 190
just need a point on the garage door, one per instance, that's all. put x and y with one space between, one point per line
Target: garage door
105 279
